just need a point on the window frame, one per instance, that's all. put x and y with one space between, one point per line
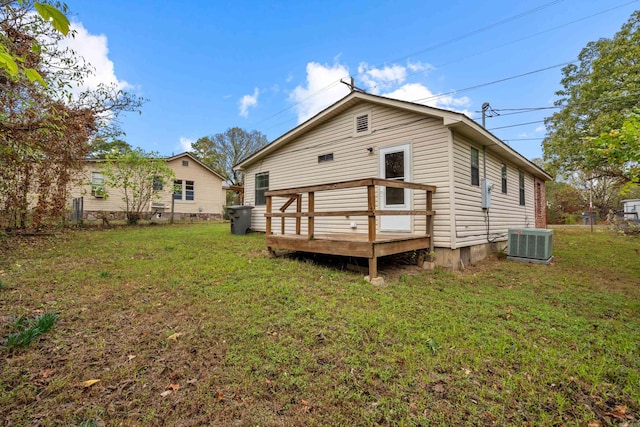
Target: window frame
189 190
504 178
475 168
324 158
260 198
521 188
158 183
177 189
97 185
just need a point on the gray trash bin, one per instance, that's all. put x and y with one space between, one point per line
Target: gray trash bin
240 217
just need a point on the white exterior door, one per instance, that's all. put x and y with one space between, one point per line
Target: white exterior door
395 164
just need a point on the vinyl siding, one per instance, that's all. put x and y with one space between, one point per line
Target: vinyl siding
505 211
208 193
296 164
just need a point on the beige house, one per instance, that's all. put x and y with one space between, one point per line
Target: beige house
198 192
483 186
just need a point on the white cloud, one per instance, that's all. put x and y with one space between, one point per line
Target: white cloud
417 67
94 49
248 101
420 94
322 89
186 143
541 128
377 79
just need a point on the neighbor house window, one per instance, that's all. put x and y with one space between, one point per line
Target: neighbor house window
262 185
325 158
97 184
521 185
475 167
177 189
157 183
504 178
189 192
183 190
185 163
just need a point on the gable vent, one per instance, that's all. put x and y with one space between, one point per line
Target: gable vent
362 123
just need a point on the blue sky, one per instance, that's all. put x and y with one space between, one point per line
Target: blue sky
267 65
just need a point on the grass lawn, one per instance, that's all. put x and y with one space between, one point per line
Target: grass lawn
189 325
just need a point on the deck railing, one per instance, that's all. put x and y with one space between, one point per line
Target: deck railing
295 195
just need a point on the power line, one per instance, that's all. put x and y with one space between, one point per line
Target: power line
438 45
610 100
466 35
478 31
519 124
494 82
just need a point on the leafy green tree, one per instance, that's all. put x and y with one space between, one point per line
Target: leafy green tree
223 151
139 177
13 64
621 147
599 94
99 148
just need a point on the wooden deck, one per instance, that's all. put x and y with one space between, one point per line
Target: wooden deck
369 245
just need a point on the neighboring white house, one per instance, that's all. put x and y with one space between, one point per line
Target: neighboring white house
366 136
196 192
631 209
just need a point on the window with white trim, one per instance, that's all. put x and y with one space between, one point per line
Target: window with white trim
521 185
504 178
475 167
97 184
262 185
183 190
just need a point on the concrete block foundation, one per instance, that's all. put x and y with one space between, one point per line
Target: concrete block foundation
460 258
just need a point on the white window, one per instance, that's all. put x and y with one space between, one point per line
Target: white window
262 185
475 167
97 184
183 190
521 187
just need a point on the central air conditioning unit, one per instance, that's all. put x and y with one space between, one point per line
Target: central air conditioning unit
530 245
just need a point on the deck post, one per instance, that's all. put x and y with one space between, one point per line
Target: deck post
371 206
373 268
268 208
311 209
298 210
430 223
282 225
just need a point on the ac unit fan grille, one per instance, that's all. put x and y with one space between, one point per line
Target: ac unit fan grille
531 244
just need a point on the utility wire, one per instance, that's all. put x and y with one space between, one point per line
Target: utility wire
610 100
494 82
516 125
514 41
450 62
438 45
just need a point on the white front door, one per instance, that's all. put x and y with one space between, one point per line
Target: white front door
395 164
